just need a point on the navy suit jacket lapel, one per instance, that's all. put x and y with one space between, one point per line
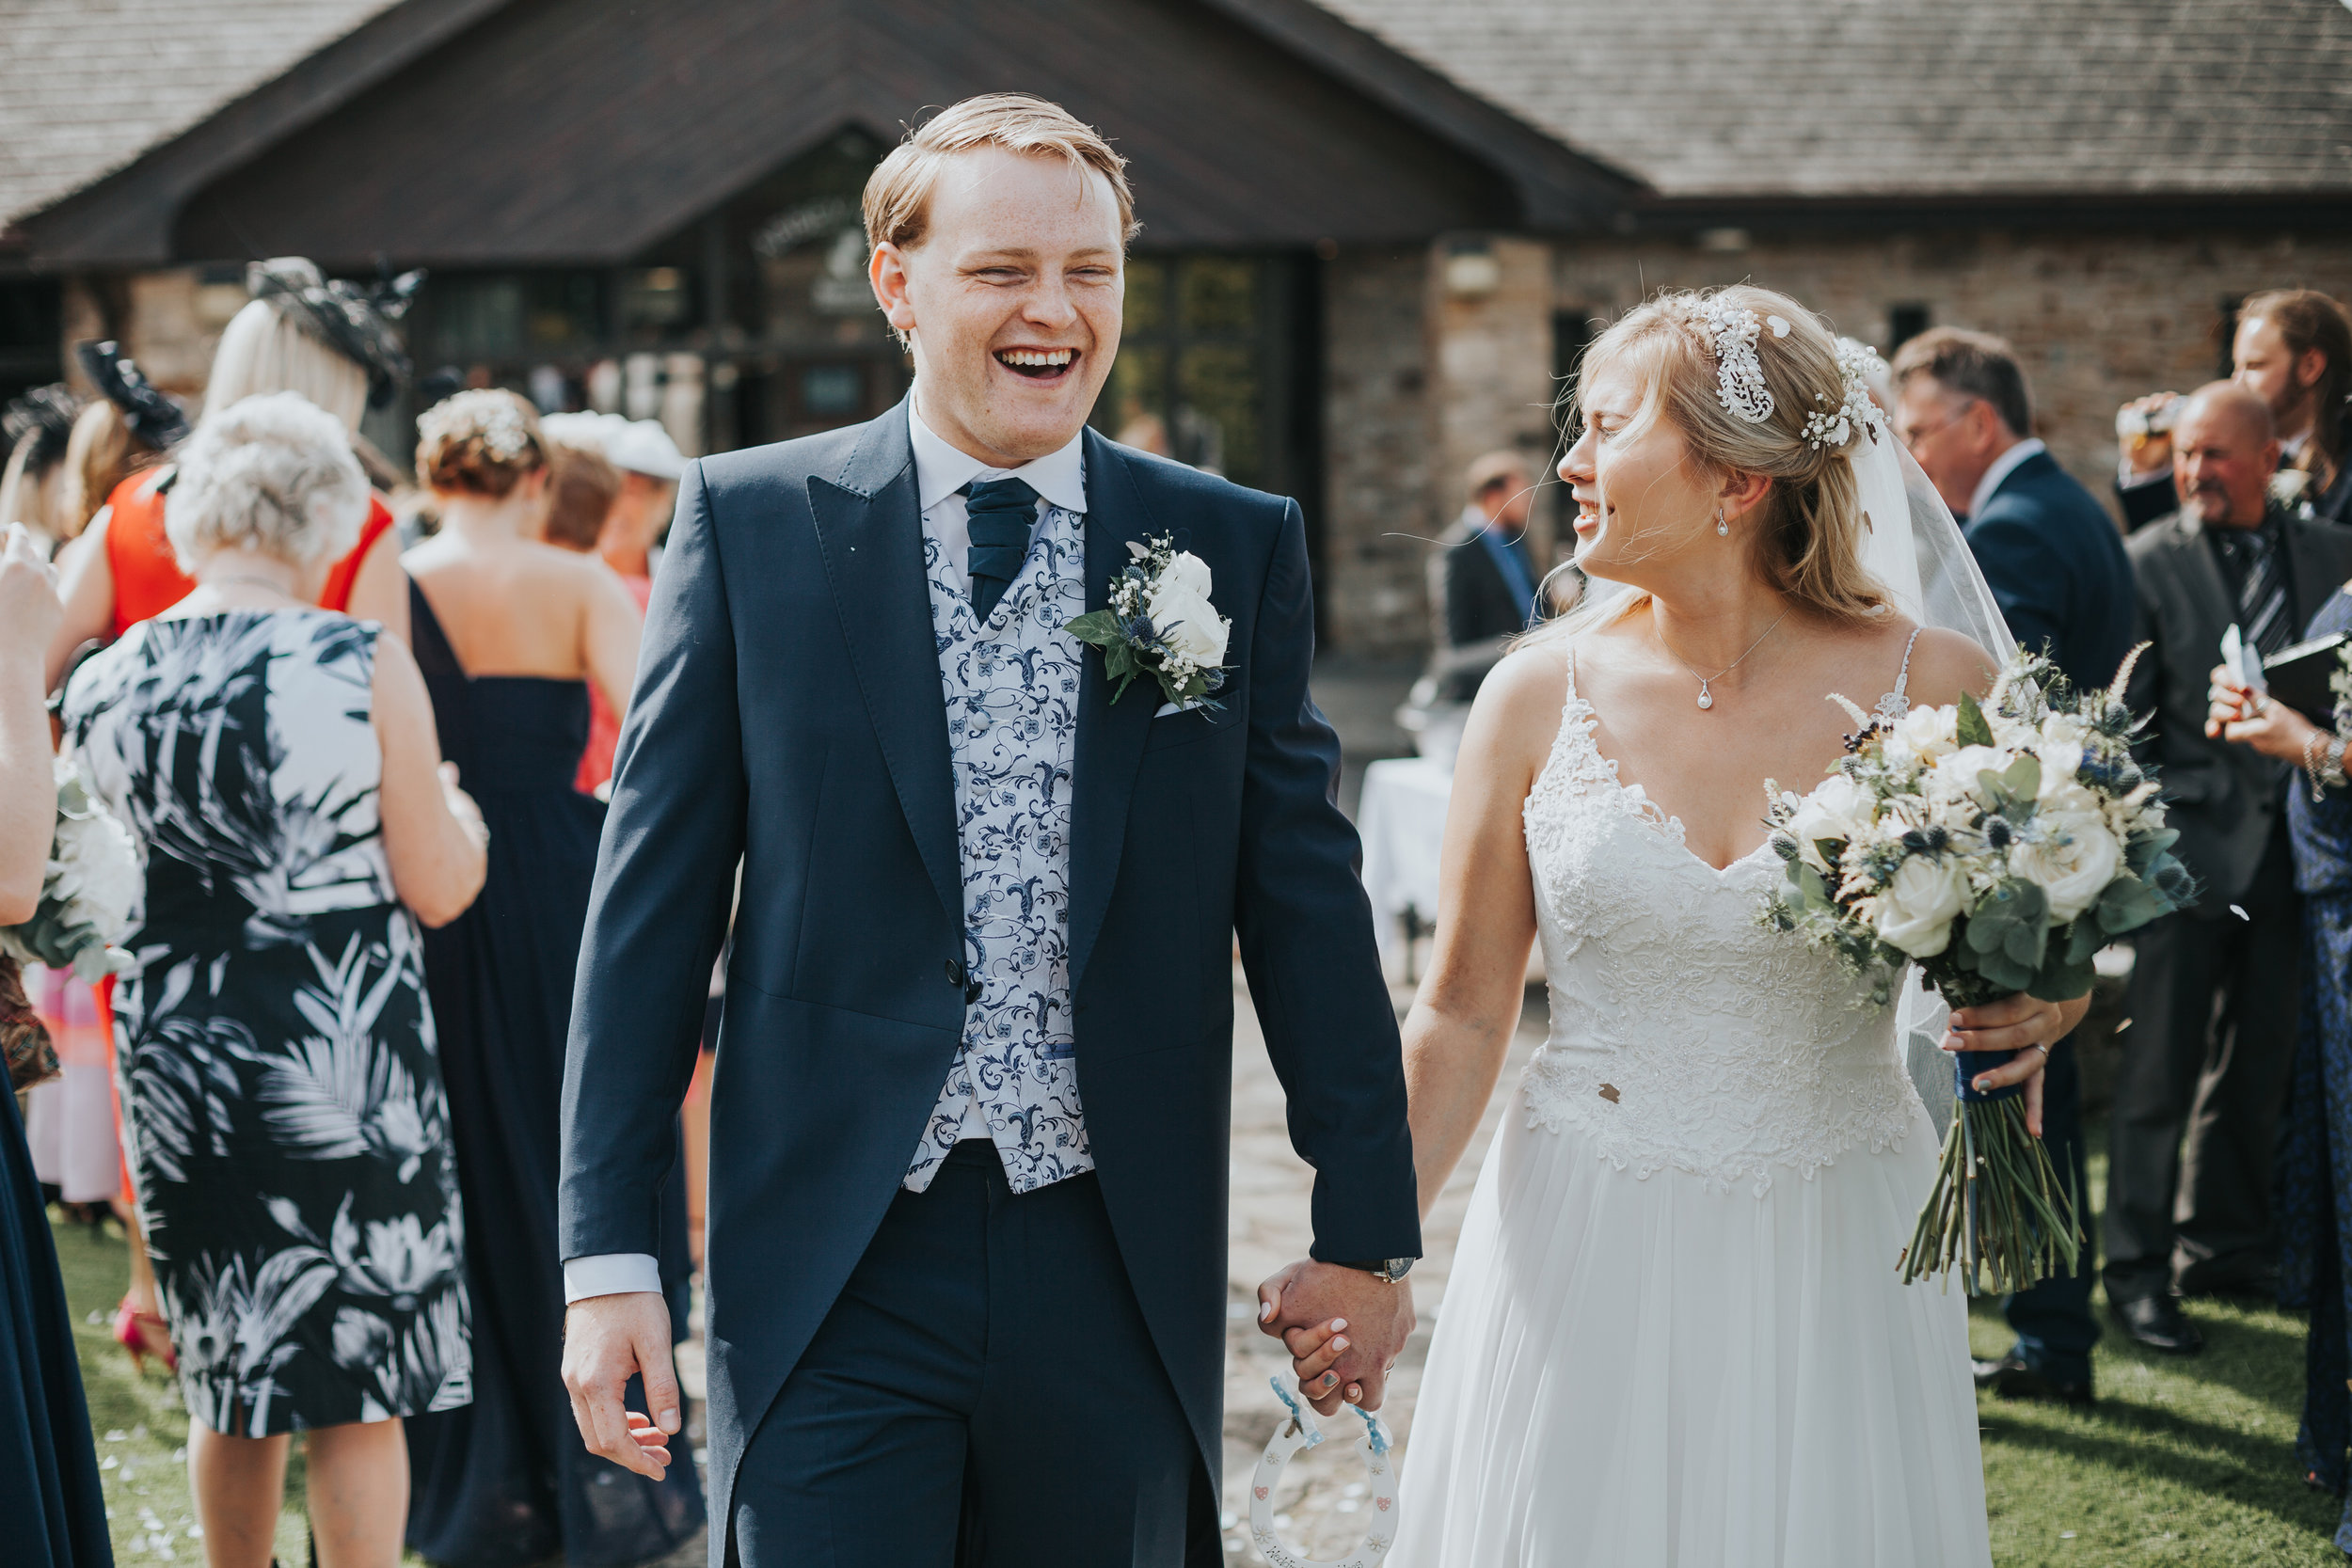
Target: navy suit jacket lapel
1110 737
869 530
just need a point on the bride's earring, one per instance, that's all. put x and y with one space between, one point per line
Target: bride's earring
1722 529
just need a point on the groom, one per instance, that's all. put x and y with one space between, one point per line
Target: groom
966 1277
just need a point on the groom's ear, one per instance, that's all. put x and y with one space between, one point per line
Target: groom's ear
886 269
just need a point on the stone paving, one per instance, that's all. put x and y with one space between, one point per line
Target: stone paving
1270 1228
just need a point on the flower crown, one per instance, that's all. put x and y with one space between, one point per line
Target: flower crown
1734 330
1857 362
482 412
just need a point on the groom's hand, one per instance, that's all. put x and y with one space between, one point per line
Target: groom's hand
1297 1306
606 1340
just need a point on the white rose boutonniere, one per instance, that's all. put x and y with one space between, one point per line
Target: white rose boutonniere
1161 622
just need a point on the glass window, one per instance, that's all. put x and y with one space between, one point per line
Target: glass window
1189 383
832 390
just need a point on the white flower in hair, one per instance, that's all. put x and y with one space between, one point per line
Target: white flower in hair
1733 328
481 412
1858 412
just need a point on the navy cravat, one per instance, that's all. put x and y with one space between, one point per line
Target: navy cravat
1001 512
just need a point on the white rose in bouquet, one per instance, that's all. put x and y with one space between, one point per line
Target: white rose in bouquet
1925 733
1838 810
1182 614
2072 857
1915 909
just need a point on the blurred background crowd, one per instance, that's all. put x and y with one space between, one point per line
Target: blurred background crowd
318 315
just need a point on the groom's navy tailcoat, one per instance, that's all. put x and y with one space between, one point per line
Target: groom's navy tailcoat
789 710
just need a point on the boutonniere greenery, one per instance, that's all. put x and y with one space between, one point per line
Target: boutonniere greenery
1161 624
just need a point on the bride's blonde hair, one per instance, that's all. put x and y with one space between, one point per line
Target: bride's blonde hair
1808 530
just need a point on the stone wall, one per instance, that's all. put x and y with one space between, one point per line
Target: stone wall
1377 429
2096 319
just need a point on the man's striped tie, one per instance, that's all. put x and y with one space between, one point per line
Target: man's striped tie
2262 597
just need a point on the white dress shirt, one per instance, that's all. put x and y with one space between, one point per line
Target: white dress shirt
2002 467
940 470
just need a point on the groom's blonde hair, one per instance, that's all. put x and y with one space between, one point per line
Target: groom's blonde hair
899 193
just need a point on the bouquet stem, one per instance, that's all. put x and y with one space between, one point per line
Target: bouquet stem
1998 1211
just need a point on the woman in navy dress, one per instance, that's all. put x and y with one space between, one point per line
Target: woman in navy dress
2315 1169
51 1508
511 632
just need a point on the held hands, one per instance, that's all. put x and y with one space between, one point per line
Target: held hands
2016 1023
2245 716
606 1340
1345 1329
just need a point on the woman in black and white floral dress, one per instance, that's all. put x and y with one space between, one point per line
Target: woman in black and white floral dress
281 1089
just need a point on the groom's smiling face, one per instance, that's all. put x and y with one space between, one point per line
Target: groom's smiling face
1010 301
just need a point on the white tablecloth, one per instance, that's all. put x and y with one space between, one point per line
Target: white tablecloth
1402 821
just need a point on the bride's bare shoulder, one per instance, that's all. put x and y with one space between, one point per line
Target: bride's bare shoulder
1517 714
1946 663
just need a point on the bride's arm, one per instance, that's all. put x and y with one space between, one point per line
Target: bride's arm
1462 1021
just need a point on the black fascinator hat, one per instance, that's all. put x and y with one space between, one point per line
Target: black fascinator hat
153 417
45 415
358 323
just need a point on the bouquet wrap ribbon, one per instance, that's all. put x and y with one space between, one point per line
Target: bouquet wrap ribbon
1968 1066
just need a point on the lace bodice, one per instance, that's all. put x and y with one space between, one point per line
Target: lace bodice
1685 1035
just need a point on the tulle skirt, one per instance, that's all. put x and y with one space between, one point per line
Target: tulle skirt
1637 1372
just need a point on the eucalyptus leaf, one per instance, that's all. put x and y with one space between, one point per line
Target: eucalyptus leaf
1973 729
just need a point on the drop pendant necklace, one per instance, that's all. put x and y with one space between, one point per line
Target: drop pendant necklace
1707 697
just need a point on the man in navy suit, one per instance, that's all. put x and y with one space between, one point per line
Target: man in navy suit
2058 568
966 1265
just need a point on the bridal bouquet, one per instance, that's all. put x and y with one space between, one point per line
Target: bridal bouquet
1998 846
86 899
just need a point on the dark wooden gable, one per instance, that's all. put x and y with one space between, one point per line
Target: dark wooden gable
584 130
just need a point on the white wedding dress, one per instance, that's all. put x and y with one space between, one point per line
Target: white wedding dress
1674 1334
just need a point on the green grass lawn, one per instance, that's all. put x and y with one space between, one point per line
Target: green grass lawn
141 1428
2184 1461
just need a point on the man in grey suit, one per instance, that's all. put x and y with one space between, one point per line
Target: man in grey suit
2213 993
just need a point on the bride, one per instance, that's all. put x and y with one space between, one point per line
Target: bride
1674 1334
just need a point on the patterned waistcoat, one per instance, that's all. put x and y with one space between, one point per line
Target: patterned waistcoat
1011 689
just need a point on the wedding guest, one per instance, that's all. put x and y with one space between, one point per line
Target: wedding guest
2056 567
580 492
513 633
1488 576
326 341
2315 1156
126 431
50 1495
2292 348
35 430
283 1098
2213 987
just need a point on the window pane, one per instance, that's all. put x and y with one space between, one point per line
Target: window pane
833 389
1215 425
1147 298
1221 296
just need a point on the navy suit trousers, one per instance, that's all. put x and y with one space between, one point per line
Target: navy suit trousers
984 1393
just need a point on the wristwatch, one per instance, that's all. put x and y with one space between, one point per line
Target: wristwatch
1387 1270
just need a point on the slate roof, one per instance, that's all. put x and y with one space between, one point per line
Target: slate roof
1914 98
87 85
1701 99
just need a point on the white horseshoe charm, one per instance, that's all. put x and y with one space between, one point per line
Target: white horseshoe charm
1300 1432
